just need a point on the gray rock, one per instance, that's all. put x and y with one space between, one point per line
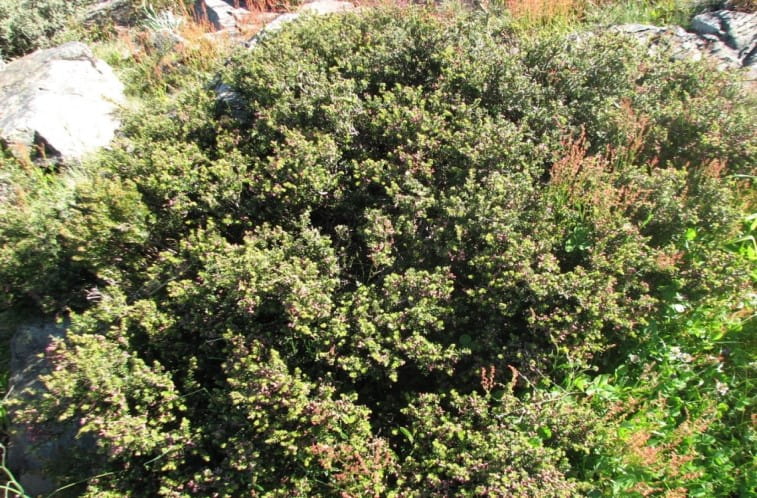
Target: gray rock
27 346
706 23
222 15
61 101
750 60
327 6
120 12
737 29
280 21
32 449
230 100
682 45
271 27
728 57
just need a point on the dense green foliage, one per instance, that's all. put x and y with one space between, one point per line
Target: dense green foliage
26 25
393 261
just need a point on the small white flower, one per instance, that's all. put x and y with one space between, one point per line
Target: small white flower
633 358
678 355
721 388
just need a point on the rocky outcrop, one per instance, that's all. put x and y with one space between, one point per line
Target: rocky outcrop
32 449
104 12
326 7
222 15
58 103
738 30
232 18
680 44
727 37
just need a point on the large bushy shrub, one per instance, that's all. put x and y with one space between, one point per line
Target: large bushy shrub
26 25
362 273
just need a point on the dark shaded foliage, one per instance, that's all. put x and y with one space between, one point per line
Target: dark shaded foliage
350 287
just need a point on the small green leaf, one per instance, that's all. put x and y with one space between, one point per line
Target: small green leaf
544 432
407 434
350 419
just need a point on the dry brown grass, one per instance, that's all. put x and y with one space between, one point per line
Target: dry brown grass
544 11
268 5
744 5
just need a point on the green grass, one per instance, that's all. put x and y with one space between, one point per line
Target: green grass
656 12
573 15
